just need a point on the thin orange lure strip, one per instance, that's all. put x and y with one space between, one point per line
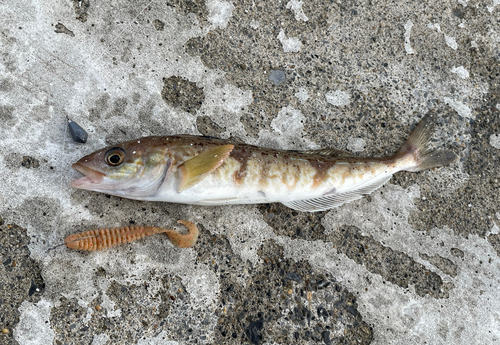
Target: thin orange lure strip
99 239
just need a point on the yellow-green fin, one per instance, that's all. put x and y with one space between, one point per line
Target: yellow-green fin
197 168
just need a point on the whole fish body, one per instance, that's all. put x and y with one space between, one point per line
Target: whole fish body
208 171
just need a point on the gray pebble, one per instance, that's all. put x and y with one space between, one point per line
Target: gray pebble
277 76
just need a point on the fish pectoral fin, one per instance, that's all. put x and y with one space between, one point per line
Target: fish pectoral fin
197 168
329 152
334 200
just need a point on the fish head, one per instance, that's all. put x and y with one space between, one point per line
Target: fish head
133 169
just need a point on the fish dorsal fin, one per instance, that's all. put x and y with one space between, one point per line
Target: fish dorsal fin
334 200
197 168
329 152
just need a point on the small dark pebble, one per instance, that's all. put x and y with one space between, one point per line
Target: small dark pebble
352 310
457 253
293 276
323 284
32 289
458 13
158 24
30 162
78 133
253 330
326 337
36 288
61 29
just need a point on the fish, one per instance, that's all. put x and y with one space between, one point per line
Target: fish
202 170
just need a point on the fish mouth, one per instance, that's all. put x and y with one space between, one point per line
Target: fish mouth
91 178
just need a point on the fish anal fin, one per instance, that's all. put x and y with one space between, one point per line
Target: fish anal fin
197 168
334 200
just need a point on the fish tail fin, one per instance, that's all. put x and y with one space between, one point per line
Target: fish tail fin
418 145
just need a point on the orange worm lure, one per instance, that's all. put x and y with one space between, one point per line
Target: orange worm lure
98 239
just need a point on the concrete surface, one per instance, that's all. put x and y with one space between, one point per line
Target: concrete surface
416 262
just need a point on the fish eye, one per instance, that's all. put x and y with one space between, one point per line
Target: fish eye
115 156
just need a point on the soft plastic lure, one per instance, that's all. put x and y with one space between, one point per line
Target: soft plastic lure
98 239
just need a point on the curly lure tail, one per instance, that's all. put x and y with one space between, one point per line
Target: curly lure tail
99 239
183 241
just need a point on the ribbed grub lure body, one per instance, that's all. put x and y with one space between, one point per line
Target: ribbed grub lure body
98 239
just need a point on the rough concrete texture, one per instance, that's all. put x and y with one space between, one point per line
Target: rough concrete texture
416 262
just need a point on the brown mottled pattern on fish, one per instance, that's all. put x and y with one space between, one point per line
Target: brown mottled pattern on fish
242 155
322 168
269 164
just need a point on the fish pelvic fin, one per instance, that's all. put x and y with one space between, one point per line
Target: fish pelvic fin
418 145
197 168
